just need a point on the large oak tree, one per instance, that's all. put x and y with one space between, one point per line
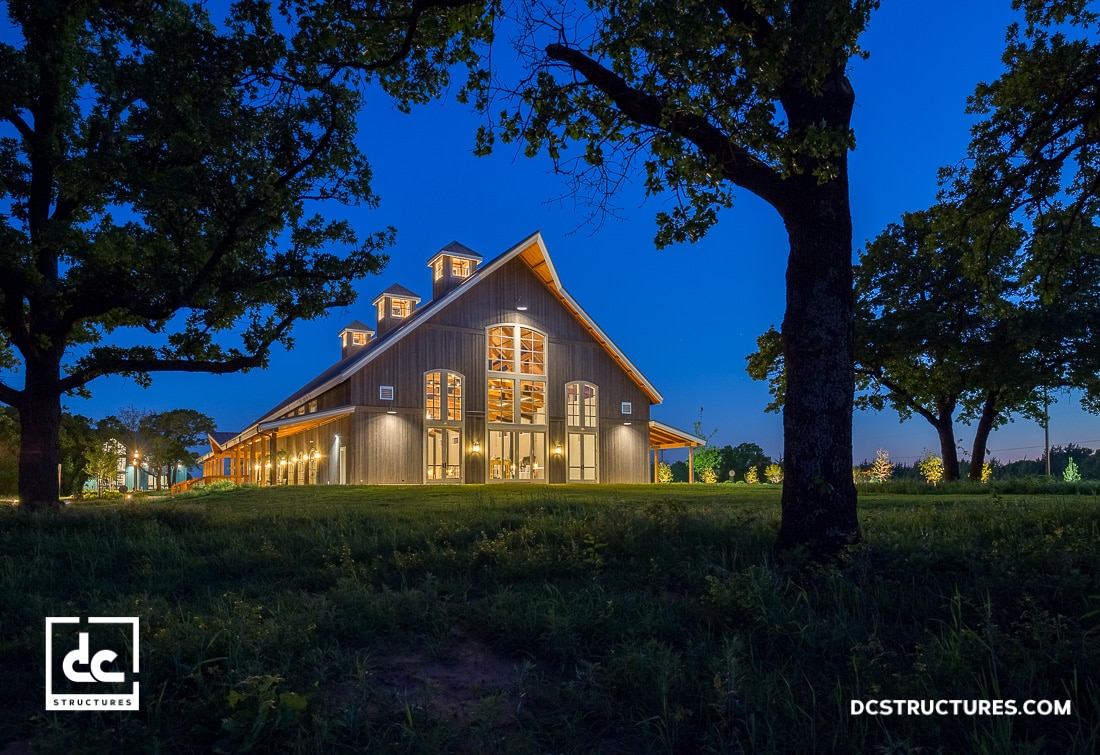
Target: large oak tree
161 174
712 97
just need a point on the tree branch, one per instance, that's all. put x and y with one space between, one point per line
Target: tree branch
738 164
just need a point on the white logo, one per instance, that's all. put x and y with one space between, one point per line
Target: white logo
84 668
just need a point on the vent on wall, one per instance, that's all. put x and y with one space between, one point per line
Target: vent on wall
385 392
627 408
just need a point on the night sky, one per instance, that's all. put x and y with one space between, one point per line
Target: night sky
686 316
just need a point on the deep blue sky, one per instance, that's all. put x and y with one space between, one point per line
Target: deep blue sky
687 315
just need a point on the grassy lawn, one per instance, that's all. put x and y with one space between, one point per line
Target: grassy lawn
563 619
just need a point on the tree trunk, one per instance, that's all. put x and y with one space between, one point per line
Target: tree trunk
981 436
945 428
819 496
40 436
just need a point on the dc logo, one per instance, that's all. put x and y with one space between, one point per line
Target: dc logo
96 674
96 677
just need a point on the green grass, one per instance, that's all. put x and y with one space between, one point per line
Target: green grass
558 619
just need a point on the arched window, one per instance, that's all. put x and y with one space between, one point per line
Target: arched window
582 432
443 412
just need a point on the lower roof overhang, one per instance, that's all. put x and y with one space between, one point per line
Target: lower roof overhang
301 423
666 436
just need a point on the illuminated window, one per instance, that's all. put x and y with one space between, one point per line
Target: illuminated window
432 408
500 406
400 307
454 397
502 348
532 402
313 406
580 405
443 455
438 268
532 352
381 309
582 457
442 396
460 268
358 339
506 341
443 429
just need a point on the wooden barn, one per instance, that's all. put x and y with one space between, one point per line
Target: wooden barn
501 377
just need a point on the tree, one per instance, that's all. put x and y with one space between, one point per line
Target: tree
881 468
170 437
102 464
931 469
1034 150
736 460
1071 473
773 473
946 339
715 97
707 459
160 172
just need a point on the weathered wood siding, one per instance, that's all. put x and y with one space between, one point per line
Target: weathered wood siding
387 448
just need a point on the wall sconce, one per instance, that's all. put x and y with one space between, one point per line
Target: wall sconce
557 449
626 423
477 447
521 306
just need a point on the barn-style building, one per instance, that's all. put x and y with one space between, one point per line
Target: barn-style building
501 377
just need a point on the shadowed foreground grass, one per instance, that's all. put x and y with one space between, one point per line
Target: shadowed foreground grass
565 619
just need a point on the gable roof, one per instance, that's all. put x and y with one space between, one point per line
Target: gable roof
532 250
396 292
218 439
358 325
455 249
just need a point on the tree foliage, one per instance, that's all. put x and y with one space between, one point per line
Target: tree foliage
705 99
162 176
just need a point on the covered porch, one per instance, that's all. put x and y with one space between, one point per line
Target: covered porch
662 436
261 455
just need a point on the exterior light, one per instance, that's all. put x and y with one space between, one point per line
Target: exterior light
626 423
557 449
391 411
477 446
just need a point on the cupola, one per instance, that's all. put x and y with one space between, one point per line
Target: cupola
354 337
451 267
395 305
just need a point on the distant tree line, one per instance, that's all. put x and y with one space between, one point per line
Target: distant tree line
164 441
728 463
1086 460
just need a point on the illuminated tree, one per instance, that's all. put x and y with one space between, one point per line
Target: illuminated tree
773 473
931 469
881 468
